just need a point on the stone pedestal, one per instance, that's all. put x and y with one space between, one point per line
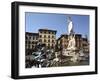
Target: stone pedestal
71 50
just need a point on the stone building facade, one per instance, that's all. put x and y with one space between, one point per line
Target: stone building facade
85 44
44 36
62 41
31 40
47 37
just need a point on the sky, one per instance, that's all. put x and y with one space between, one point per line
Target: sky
53 21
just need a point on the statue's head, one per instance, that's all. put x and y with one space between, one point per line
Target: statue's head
69 18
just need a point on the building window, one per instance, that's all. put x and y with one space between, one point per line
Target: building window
33 42
44 40
48 46
30 37
49 32
40 40
48 40
52 45
26 37
49 36
45 32
53 33
36 38
32 46
40 32
33 38
26 42
44 36
29 42
52 36
52 41
29 46
40 36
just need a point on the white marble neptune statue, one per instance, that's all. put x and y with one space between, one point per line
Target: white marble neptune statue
71 44
70 26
